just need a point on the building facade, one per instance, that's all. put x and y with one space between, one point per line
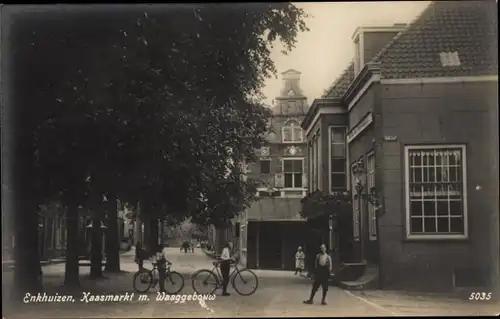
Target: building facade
270 229
420 103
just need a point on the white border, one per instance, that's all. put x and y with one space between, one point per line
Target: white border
464 186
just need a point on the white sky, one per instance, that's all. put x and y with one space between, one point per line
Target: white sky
324 52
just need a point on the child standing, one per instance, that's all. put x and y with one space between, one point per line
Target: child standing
299 260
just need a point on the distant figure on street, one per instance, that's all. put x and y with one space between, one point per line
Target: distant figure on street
322 271
299 261
139 254
225 266
185 246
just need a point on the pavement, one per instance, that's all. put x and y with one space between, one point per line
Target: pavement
280 294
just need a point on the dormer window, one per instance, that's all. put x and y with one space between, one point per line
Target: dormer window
449 58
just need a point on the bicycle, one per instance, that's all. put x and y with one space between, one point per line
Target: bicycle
150 278
212 279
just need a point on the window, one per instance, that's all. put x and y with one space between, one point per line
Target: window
292 105
355 206
370 184
292 133
338 174
311 159
292 171
436 198
265 166
315 162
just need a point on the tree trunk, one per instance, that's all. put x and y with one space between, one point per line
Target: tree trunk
27 272
72 271
138 225
112 240
153 234
96 242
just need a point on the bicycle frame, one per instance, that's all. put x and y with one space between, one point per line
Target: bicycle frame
216 270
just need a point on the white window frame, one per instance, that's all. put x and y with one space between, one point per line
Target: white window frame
283 172
330 129
356 213
292 125
436 236
260 165
370 183
310 167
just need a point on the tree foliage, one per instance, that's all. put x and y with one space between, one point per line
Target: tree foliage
154 104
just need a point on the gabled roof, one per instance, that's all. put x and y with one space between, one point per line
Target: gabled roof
466 27
291 71
339 87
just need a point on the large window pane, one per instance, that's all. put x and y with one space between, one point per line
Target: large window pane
339 182
338 135
287 166
288 180
297 180
265 166
338 150
297 166
338 165
436 185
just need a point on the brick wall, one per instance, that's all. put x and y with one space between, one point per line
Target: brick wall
436 113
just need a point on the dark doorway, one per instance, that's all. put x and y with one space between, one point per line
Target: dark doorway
271 245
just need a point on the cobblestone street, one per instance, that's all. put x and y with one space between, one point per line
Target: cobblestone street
279 294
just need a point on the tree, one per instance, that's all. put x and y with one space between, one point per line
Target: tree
132 107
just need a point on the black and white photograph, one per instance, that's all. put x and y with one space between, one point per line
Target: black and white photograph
266 159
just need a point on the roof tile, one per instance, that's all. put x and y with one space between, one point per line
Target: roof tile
467 27
341 84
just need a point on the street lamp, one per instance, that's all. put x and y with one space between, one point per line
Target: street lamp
361 194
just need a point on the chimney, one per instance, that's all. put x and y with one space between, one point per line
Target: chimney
369 41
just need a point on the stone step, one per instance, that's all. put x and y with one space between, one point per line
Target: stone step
369 280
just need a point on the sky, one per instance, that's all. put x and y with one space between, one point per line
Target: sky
325 51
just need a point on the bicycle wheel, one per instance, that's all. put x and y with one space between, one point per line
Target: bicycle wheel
143 280
174 282
245 282
205 282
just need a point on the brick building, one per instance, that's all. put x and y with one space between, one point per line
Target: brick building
419 110
269 228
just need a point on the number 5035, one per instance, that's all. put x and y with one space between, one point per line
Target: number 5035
480 296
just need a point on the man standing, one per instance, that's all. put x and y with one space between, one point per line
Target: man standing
225 267
161 260
323 269
139 254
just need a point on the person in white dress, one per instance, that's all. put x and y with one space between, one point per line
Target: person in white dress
299 261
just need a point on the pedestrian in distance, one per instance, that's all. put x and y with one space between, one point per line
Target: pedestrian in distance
225 266
322 271
299 261
139 254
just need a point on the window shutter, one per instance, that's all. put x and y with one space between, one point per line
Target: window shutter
279 180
